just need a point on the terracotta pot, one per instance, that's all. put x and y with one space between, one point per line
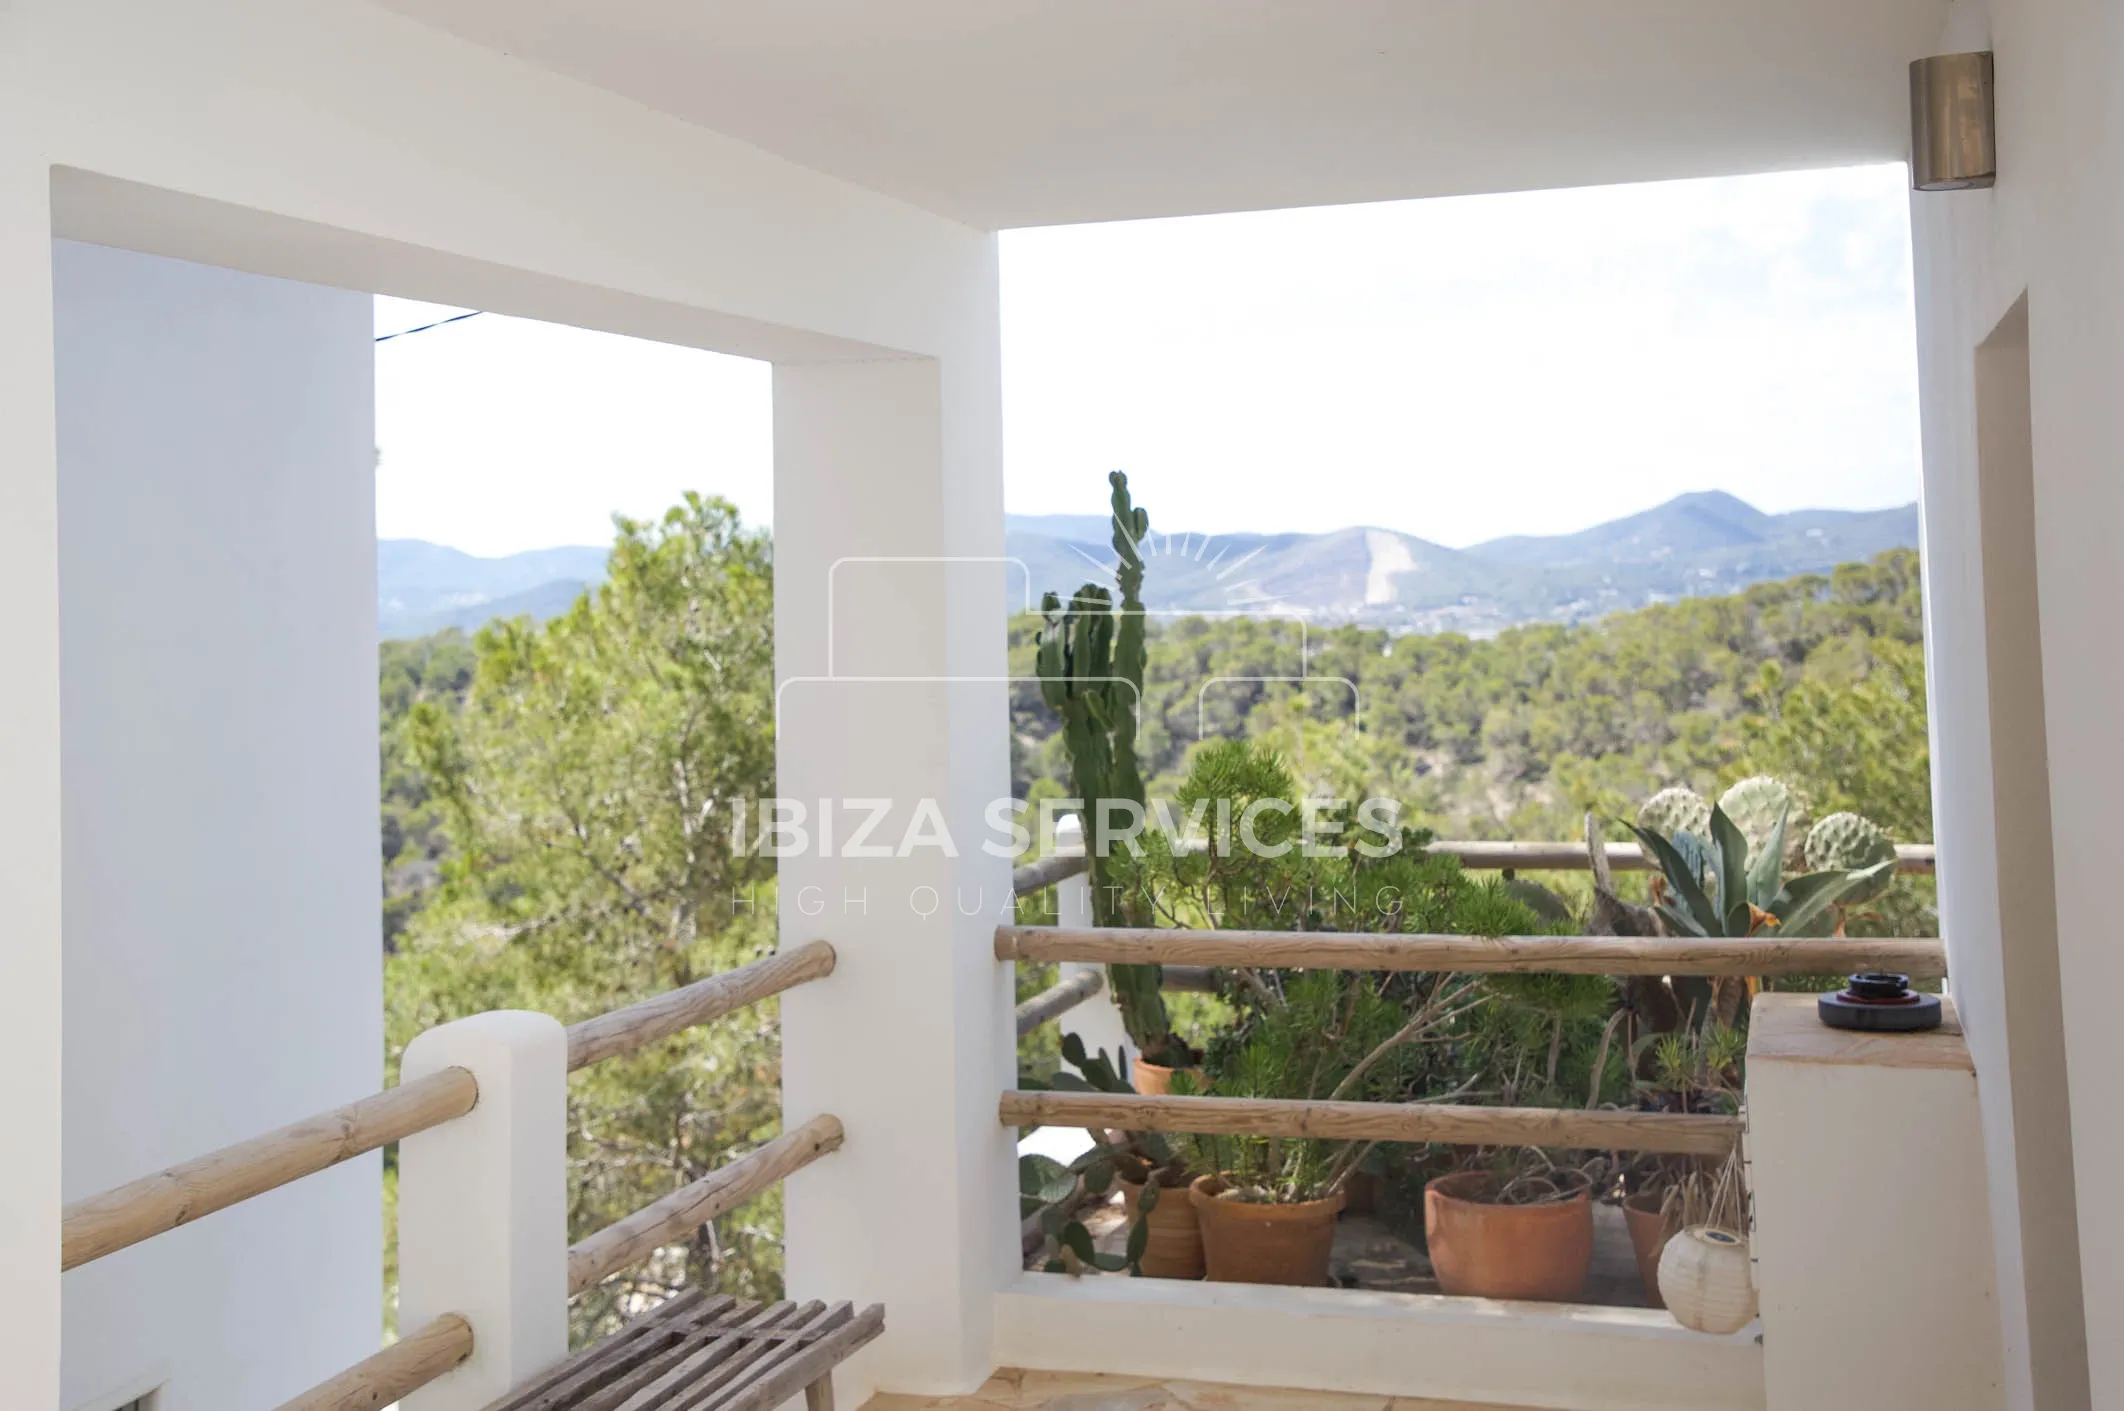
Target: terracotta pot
1648 1237
1506 1251
1173 1248
1705 1277
1156 1080
1361 1193
1248 1243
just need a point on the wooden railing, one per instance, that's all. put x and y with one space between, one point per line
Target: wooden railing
1072 991
1567 955
1677 1133
399 1370
104 1224
1059 998
1480 856
126 1215
627 1242
625 1030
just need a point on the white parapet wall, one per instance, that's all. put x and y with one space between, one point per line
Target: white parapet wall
1569 1357
1873 1252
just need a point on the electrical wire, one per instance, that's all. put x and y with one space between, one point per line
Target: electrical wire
454 318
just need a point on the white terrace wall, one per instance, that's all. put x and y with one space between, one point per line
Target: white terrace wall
2020 296
329 141
217 592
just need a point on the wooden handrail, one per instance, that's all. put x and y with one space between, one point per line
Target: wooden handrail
637 1025
1687 1134
1481 856
1564 955
103 1224
1046 871
627 1242
1059 998
123 1216
399 1370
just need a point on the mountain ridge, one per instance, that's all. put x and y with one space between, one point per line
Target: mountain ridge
1694 545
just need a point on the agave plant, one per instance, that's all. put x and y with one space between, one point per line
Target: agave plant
1721 887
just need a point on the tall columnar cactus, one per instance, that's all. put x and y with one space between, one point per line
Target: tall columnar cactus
1850 842
1090 662
1759 806
1676 810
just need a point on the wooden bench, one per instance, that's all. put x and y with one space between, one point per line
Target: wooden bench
707 1352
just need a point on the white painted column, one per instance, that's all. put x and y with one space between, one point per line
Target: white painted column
483 1205
1097 1021
1867 1161
29 777
889 653
2059 136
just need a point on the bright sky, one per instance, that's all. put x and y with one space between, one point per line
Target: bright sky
1456 369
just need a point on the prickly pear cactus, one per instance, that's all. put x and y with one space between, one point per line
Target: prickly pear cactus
1848 842
1755 805
1676 810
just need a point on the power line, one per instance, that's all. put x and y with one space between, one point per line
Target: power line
454 318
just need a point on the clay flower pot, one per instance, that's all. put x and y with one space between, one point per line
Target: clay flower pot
1648 1238
1361 1193
1245 1242
1485 1250
1705 1278
1156 1080
1173 1247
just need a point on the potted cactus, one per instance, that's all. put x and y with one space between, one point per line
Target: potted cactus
1164 1241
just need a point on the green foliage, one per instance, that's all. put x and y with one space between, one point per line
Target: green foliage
589 864
1817 679
435 671
1327 1034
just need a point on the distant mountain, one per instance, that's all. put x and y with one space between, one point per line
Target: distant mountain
423 587
1692 546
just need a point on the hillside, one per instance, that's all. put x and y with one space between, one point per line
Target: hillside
423 588
1817 677
1693 546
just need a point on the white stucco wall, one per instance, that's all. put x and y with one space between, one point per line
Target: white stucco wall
222 939
329 141
2035 992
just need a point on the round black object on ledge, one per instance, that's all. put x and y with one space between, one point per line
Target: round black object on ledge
1880 1002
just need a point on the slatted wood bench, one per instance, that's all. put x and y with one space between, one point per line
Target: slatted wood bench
706 1352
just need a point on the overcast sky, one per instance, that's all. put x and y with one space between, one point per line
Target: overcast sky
1456 369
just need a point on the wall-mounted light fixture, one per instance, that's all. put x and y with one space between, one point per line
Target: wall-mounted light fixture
1952 142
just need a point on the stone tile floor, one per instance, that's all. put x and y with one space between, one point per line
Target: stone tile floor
1013 1390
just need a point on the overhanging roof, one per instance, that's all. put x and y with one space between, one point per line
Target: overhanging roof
1037 112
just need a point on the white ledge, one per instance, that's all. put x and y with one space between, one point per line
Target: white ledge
1566 1356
